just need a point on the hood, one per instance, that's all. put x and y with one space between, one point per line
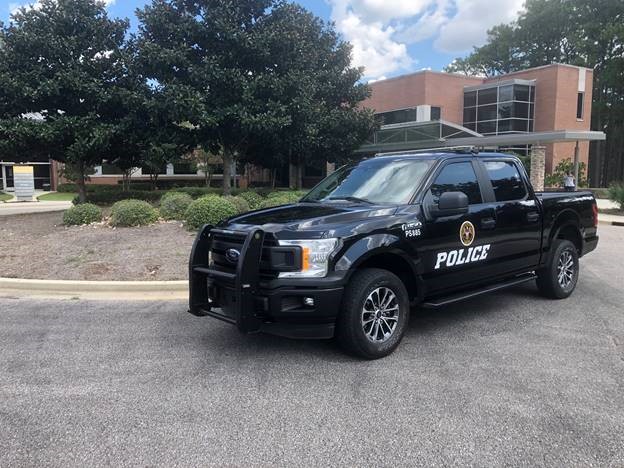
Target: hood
318 217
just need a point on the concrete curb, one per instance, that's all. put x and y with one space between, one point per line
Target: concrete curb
611 223
102 290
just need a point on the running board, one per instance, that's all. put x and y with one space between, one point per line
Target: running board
443 301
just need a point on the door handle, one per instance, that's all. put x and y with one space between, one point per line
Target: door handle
488 223
533 216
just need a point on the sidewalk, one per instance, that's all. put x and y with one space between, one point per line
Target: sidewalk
605 204
14 208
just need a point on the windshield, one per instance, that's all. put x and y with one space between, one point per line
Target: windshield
379 180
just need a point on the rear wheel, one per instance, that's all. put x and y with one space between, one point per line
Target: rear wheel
374 315
558 279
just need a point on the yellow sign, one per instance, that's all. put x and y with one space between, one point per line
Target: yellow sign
22 169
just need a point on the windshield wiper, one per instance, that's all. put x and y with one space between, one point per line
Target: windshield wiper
352 199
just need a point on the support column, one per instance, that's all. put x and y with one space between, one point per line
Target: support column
538 167
576 164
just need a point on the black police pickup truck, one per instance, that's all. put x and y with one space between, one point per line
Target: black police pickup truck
376 238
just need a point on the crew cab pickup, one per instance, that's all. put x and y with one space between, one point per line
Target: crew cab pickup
378 237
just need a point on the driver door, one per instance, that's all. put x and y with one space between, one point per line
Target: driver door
456 251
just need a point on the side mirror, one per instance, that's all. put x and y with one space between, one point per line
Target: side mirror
450 203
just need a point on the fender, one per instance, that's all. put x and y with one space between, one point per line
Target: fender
372 246
564 219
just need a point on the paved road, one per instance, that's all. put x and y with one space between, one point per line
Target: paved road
506 379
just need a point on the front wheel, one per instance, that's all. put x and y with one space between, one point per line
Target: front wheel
558 279
374 315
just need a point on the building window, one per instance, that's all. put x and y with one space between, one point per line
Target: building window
580 100
508 108
405 115
397 116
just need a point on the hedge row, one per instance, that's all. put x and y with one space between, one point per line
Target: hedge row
133 208
108 197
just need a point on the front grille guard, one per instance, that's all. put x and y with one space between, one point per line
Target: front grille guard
245 280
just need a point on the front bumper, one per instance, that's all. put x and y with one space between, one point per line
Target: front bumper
294 308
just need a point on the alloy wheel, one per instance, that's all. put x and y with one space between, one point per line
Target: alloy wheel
380 314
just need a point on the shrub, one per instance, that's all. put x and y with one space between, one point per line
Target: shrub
73 188
108 197
197 192
173 205
281 198
210 209
566 166
253 199
239 202
616 193
133 213
85 213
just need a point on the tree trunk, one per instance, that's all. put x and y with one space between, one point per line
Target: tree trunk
80 182
227 171
295 173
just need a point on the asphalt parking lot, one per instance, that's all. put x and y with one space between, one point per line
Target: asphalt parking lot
507 379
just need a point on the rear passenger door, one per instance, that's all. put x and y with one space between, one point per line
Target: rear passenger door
517 233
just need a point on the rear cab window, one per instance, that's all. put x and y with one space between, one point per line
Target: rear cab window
506 180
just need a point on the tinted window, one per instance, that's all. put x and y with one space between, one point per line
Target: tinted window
505 93
470 98
487 112
506 180
521 93
487 127
488 96
457 177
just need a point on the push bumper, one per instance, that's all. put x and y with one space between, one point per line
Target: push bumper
290 308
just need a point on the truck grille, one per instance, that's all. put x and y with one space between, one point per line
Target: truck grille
222 242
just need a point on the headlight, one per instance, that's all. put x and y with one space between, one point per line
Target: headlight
314 257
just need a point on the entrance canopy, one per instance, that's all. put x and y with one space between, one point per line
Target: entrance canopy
440 134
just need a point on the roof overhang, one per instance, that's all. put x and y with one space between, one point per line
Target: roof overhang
510 139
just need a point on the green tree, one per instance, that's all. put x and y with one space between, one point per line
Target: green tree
64 63
251 76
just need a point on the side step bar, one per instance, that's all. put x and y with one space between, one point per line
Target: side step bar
443 301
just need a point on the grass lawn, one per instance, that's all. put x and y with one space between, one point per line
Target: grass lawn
5 196
57 196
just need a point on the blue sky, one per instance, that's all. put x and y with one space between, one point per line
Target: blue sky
389 37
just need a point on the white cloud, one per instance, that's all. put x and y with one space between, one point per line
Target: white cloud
468 27
381 30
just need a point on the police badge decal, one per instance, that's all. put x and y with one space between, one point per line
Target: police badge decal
467 233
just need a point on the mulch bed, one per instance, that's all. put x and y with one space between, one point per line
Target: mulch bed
38 246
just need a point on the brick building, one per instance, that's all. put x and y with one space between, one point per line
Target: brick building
544 99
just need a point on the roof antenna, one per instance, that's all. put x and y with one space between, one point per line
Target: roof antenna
474 150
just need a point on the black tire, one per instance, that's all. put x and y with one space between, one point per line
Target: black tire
549 282
360 338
